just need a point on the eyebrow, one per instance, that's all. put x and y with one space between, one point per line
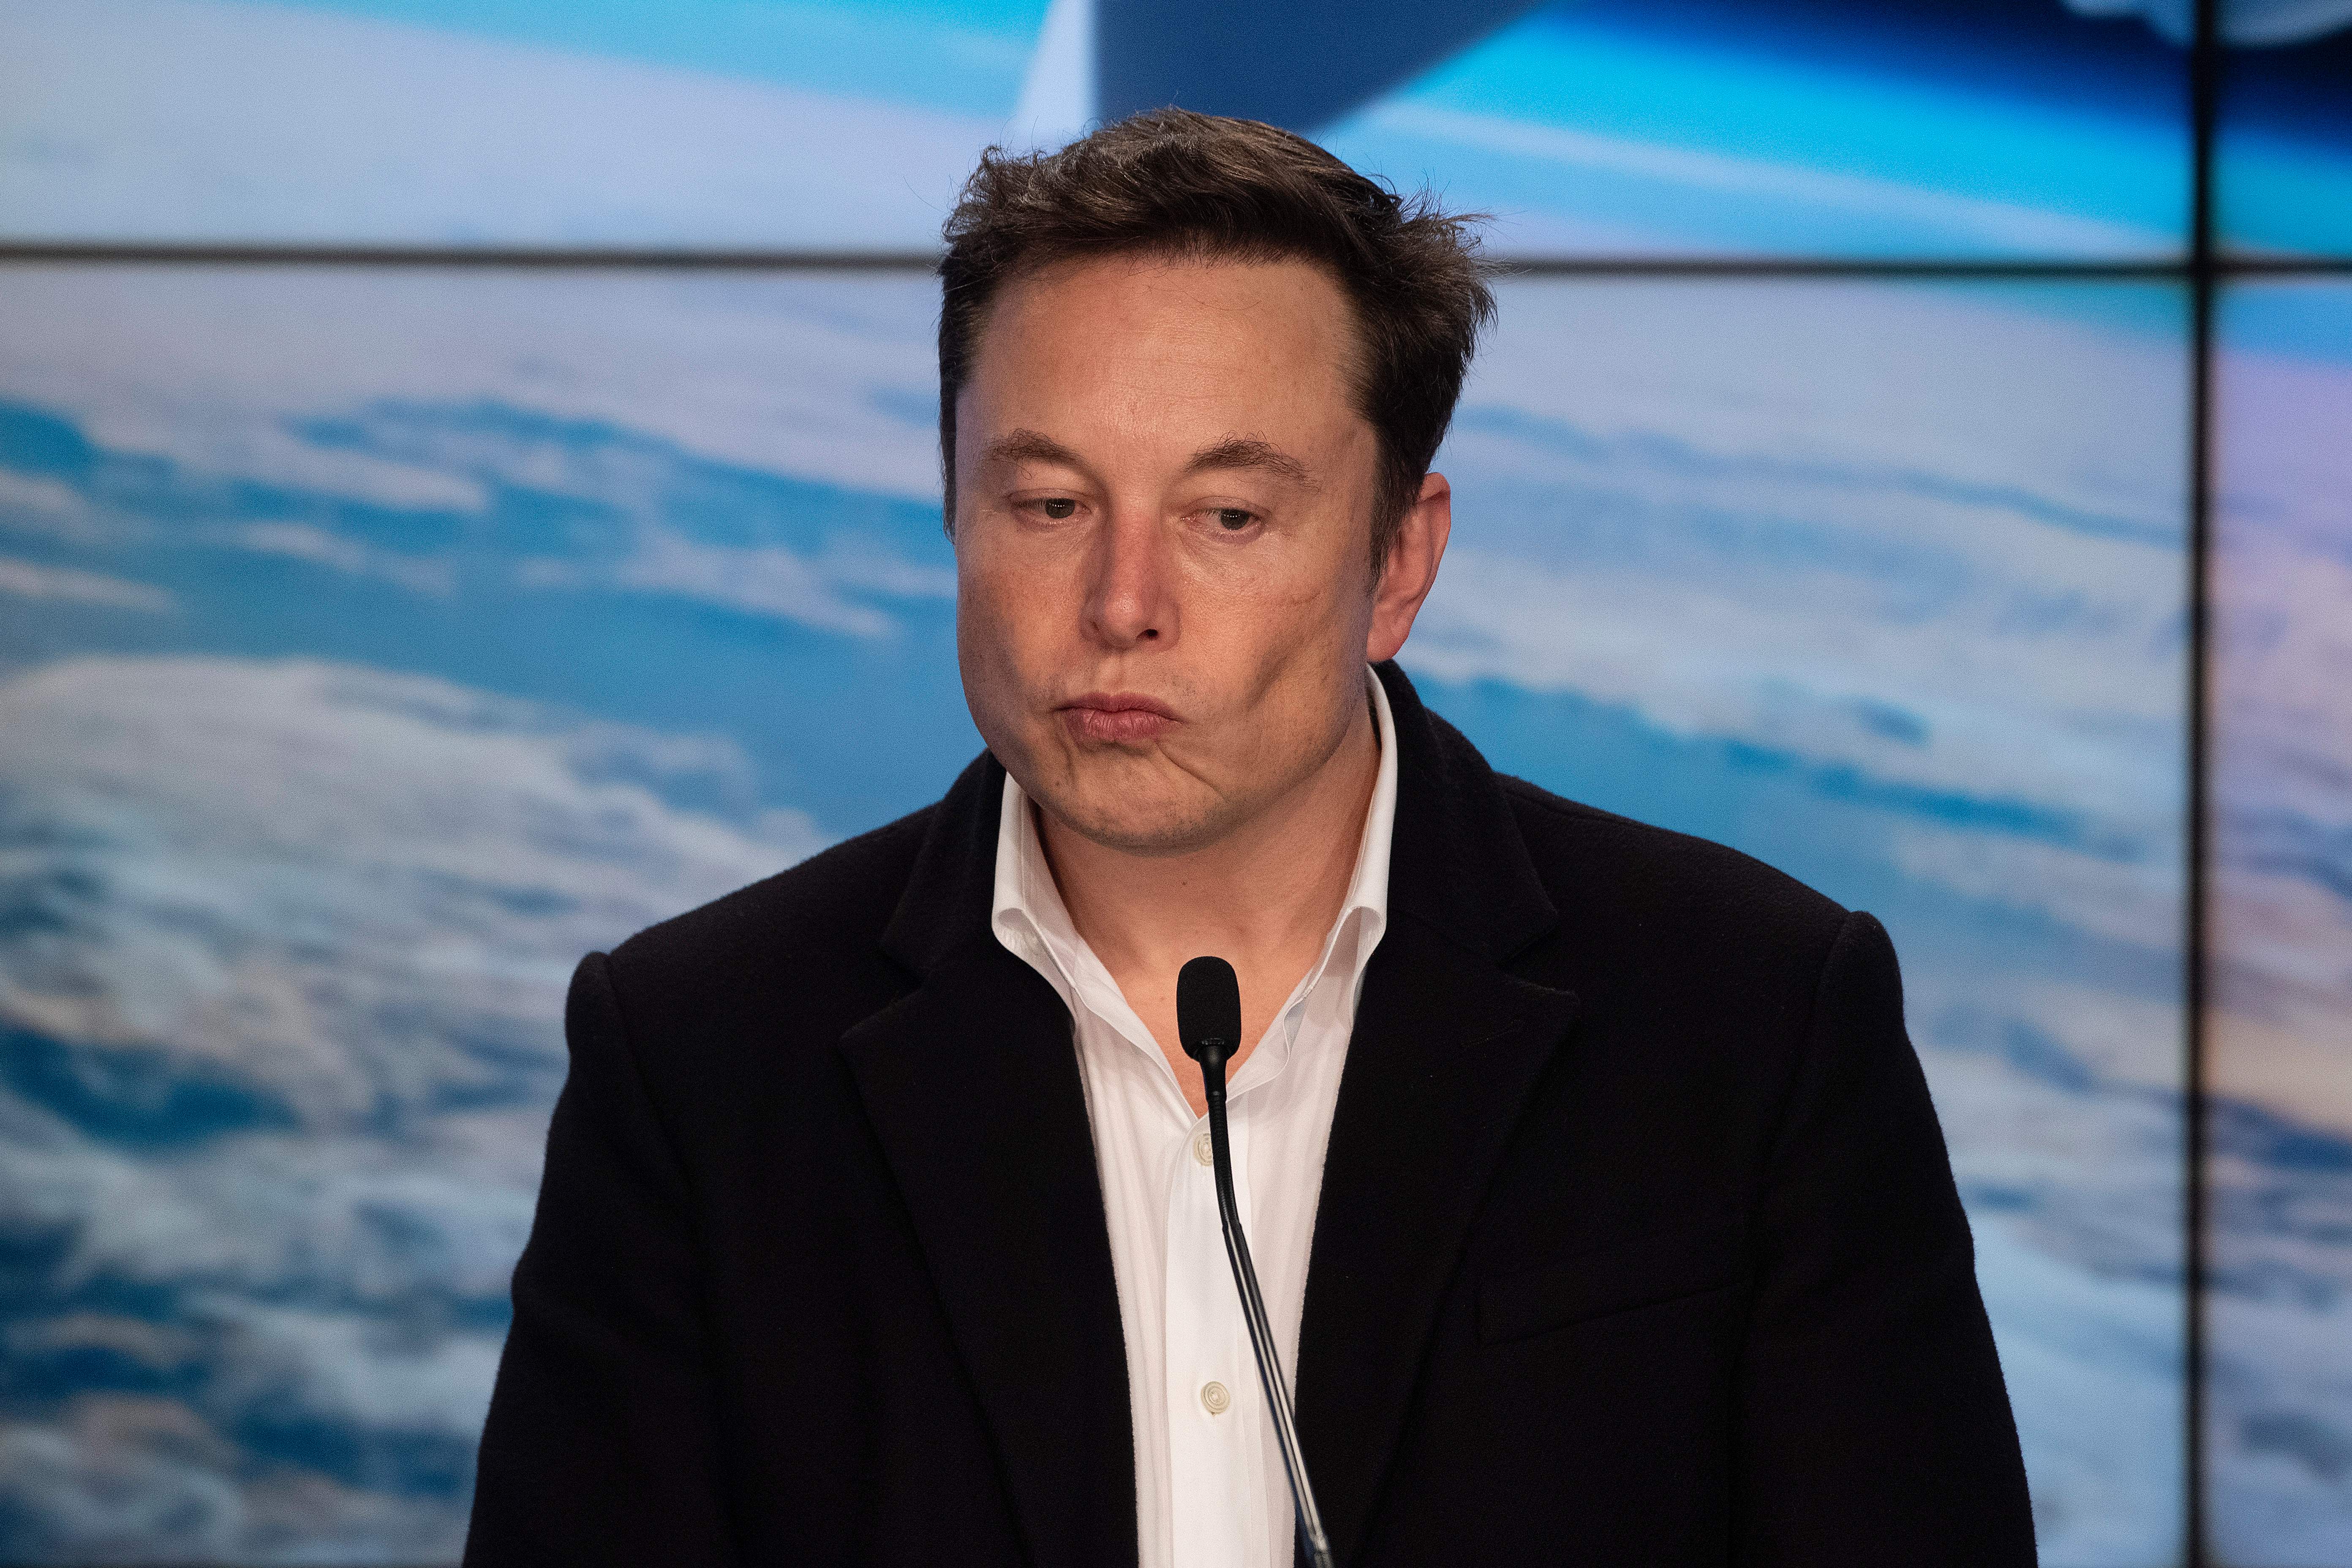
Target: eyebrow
1029 446
1248 452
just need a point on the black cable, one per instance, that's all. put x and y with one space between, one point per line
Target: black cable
1314 1545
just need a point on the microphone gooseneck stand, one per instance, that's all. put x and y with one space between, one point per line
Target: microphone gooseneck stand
1209 1020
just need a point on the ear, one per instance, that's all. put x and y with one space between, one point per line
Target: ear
1410 570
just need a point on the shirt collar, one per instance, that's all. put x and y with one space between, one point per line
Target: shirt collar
1030 919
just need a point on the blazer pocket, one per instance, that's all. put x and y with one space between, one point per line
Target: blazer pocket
1649 1272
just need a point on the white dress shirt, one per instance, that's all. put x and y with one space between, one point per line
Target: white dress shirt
1210 1490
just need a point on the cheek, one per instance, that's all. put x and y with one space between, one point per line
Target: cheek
1321 614
1005 626
1303 660
982 625
988 576
1312 662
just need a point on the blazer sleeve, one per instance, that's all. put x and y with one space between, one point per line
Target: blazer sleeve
1875 1426
601 1441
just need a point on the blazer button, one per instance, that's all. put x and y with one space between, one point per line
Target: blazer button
1215 1398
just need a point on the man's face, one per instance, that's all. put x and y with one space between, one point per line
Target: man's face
1163 498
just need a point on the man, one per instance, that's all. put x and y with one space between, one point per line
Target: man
1601 1208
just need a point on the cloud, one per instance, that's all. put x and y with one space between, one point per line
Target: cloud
27 580
149 118
767 445
229 374
2101 1355
354 898
31 504
2010 225
555 503
304 541
2281 580
208 822
127 1478
768 581
115 1478
1954 600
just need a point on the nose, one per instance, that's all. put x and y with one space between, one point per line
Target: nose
1128 602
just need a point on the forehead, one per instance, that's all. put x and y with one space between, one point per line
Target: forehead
1169 330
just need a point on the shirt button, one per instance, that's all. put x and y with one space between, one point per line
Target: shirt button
1204 1149
1215 1398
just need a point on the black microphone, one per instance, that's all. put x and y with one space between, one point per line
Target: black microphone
1209 1022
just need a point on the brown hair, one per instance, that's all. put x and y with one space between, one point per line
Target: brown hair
1202 186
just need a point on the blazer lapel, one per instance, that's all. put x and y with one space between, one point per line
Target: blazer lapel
1446 1048
973 1087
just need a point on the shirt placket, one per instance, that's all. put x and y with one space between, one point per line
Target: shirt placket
1214 1406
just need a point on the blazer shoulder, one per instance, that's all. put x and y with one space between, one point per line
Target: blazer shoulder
1610 867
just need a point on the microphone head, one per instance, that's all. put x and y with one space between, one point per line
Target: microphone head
1207 1005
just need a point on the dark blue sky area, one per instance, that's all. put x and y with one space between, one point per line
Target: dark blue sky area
2037 50
2304 89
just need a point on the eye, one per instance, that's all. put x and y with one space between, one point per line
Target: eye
1058 506
1233 519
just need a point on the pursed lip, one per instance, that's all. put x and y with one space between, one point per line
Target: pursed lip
1116 716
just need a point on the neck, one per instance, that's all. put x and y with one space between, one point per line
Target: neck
1262 897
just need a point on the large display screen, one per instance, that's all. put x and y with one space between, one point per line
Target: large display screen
1997 128
2280 1030
380 642
376 640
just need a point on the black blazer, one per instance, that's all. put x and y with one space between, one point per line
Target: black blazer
1637 1241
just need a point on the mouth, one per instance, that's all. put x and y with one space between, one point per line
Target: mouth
1117 717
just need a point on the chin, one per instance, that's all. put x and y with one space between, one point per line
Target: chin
1117 816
